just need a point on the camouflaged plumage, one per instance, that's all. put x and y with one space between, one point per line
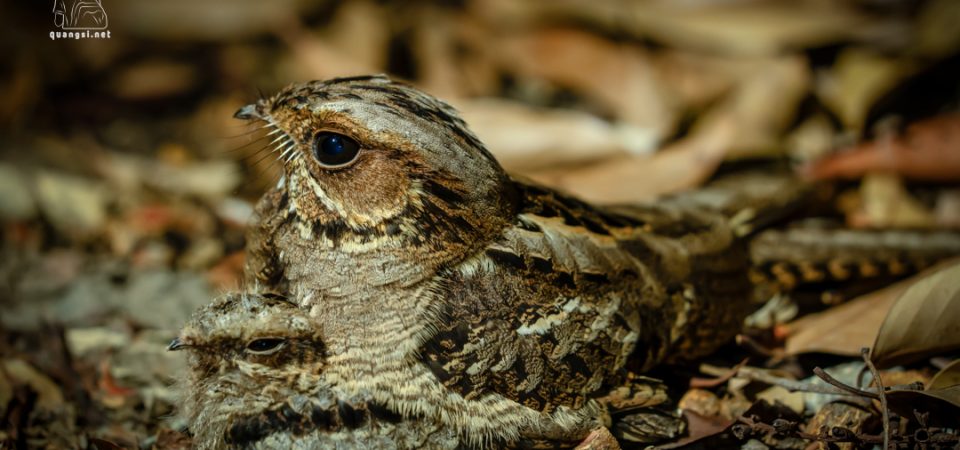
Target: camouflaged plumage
436 302
450 291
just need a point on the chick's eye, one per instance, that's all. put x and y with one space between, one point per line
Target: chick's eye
265 346
334 150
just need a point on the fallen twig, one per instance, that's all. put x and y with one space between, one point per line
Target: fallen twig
764 376
751 344
702 383
865 354
823 375
834 387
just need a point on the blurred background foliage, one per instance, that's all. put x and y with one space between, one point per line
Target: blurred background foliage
125 182
735 79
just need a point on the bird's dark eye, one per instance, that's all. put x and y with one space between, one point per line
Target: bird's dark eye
265 346
334 150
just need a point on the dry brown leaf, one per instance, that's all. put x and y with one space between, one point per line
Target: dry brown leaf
16 201
760 122
726 27
946 377
19 372
949 393
479 72
927 151
525 138
360 29
846 328
947 210
599 439
811 140
228 273
744 28
154 79
942 404
620 77
898 376
213 178
218 20
74 205
887 204
313 58
700 401
851 326
925 320
713 433
82 341
744 121
695 79
681 166
435 50
857 79
699 427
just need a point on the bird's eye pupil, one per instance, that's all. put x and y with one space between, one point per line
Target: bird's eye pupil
333 145
334 150
264 345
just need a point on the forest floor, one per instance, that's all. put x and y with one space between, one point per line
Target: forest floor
125 185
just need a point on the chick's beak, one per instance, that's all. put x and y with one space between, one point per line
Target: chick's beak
175 344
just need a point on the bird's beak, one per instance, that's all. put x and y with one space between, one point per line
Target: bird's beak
248 112
175 344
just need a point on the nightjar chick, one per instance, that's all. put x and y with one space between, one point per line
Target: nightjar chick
256 380
448 290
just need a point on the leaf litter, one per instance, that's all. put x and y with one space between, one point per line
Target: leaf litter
125 187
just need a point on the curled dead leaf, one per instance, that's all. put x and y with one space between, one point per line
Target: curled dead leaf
599 439
925 151
622 77
946 377
525 138
943 405
681 166
888 204
19 372
843 329
924 321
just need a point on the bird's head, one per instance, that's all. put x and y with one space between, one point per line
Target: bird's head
367 157
247 354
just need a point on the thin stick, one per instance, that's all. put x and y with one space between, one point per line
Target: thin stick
794 385
696 382
840 385
752 345
865 354
835 387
